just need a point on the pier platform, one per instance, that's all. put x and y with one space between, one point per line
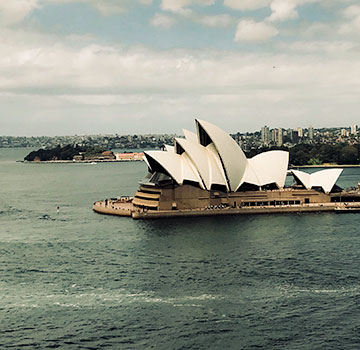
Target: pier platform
114 207
126 208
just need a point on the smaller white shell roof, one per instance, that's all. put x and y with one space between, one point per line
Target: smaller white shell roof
326 179
170 148
170 161
191 136
179 167
268 167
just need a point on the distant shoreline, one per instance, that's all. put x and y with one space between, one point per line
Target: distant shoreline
326 166
80 161
140 160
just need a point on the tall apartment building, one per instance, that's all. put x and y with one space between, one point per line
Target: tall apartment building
265 135
311 133
277 136
280 137
353 129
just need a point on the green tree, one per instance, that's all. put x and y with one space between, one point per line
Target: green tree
349 155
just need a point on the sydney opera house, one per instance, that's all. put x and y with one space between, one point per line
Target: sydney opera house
207 173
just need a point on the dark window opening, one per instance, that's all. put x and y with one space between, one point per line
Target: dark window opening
271 186
179 149
336 189
220 188
204 137
248 187
345 199
307 200
159 178
191 183
318 189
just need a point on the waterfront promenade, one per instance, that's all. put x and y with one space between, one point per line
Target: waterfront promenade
125 208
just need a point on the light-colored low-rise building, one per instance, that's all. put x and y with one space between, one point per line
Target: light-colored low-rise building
133 156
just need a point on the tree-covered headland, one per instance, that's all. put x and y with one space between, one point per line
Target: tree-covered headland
63 153
317 154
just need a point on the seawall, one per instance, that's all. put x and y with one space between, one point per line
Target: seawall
127 209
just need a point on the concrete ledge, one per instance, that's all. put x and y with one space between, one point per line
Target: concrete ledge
113 208
126 208
152 214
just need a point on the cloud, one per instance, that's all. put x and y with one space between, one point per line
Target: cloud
222 20
324 47
109 7
162 20
351 11
106 99
75 78
182 7
244 5
12 12
352 18
105 7
282 10
39 65
249 30
41 80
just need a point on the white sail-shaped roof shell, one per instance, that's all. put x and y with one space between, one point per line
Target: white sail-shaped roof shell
218 174
212 157
170 148
266 168
179 167
325 179
232 157
191 136
204 161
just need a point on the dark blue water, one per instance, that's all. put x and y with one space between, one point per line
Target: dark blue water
80 280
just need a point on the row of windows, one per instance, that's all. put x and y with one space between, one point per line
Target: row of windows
269 203
147 198
345 199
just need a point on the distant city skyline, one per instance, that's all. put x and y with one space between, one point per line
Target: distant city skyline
265 137
151 66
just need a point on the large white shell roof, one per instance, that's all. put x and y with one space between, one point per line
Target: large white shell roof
212 157
231 155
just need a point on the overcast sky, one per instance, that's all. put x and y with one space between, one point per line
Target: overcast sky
152 66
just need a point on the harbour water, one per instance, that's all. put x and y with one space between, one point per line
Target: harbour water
79 280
